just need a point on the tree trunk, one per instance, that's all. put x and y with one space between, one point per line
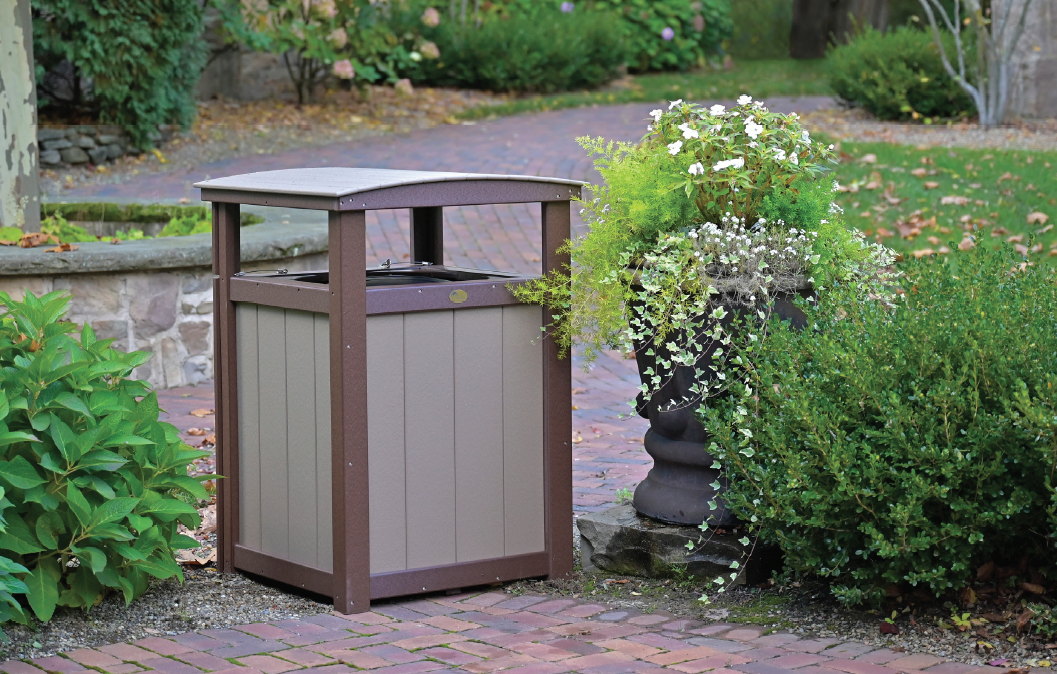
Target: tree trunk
819 23
19 172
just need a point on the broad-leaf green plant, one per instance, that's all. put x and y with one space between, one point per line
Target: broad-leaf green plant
94 485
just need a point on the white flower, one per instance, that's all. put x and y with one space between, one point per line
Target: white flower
717 109
688 133
805 136
656 114
673 148
745 99
779 154
696 169
729 163
752 129
675 103
795 159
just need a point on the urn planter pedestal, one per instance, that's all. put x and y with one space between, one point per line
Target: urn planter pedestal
678 489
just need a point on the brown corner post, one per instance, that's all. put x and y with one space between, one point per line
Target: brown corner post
427 234
348 404
226 262
557 420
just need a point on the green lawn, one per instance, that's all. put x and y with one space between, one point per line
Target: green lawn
957 192
759 79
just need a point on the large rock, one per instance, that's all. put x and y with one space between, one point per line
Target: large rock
50 157
74 155
98 155
620 541
57 144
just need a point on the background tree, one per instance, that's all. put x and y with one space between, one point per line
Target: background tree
19 176
984 52
818 23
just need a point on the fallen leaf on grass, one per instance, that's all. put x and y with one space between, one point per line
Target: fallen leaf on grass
966 244
200 413
5 242
934 240
882 232
1021 248
889 628
1033 588
1037 218
956 200
1005 176
931 185
1016 238
61 248
869 159
924 252
1044 229
196 431
919 172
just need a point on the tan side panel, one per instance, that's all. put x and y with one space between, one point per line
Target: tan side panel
324 514
249 429
479 433
385 442
523 429
301 429
271 373
429 436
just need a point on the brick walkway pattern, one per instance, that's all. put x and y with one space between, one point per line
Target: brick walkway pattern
489 632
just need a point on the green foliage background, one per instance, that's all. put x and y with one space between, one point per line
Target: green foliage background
140 58
896 74
539 49
905 444
94 485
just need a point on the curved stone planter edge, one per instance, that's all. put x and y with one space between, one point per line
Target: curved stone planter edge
266 241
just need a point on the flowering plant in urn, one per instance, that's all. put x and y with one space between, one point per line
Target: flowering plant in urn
717 219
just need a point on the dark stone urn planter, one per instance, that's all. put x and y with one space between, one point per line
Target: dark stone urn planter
679 486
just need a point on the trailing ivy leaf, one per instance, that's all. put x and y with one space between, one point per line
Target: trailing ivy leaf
18 538
43 586
20 473
78 504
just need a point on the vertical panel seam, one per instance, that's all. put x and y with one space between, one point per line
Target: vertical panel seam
454 439
502 413
260 500
403 395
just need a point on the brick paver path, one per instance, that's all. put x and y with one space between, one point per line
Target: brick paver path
491 631
487 633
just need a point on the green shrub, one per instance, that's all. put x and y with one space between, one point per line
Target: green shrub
93 481
896 75
140 58
761 29
906 444
698 29
542 51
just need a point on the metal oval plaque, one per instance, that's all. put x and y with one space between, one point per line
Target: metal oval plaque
457 296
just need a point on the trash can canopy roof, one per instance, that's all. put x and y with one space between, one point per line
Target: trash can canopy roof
337 188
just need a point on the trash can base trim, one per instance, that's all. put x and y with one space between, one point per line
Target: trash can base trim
398 583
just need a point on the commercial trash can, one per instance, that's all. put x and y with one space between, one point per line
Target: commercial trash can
395 430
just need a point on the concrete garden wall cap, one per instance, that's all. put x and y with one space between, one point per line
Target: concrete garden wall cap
336 182
273 239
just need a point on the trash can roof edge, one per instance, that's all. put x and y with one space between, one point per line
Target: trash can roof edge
337 182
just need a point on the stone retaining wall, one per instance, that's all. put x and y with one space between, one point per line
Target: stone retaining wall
88 144
157 295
